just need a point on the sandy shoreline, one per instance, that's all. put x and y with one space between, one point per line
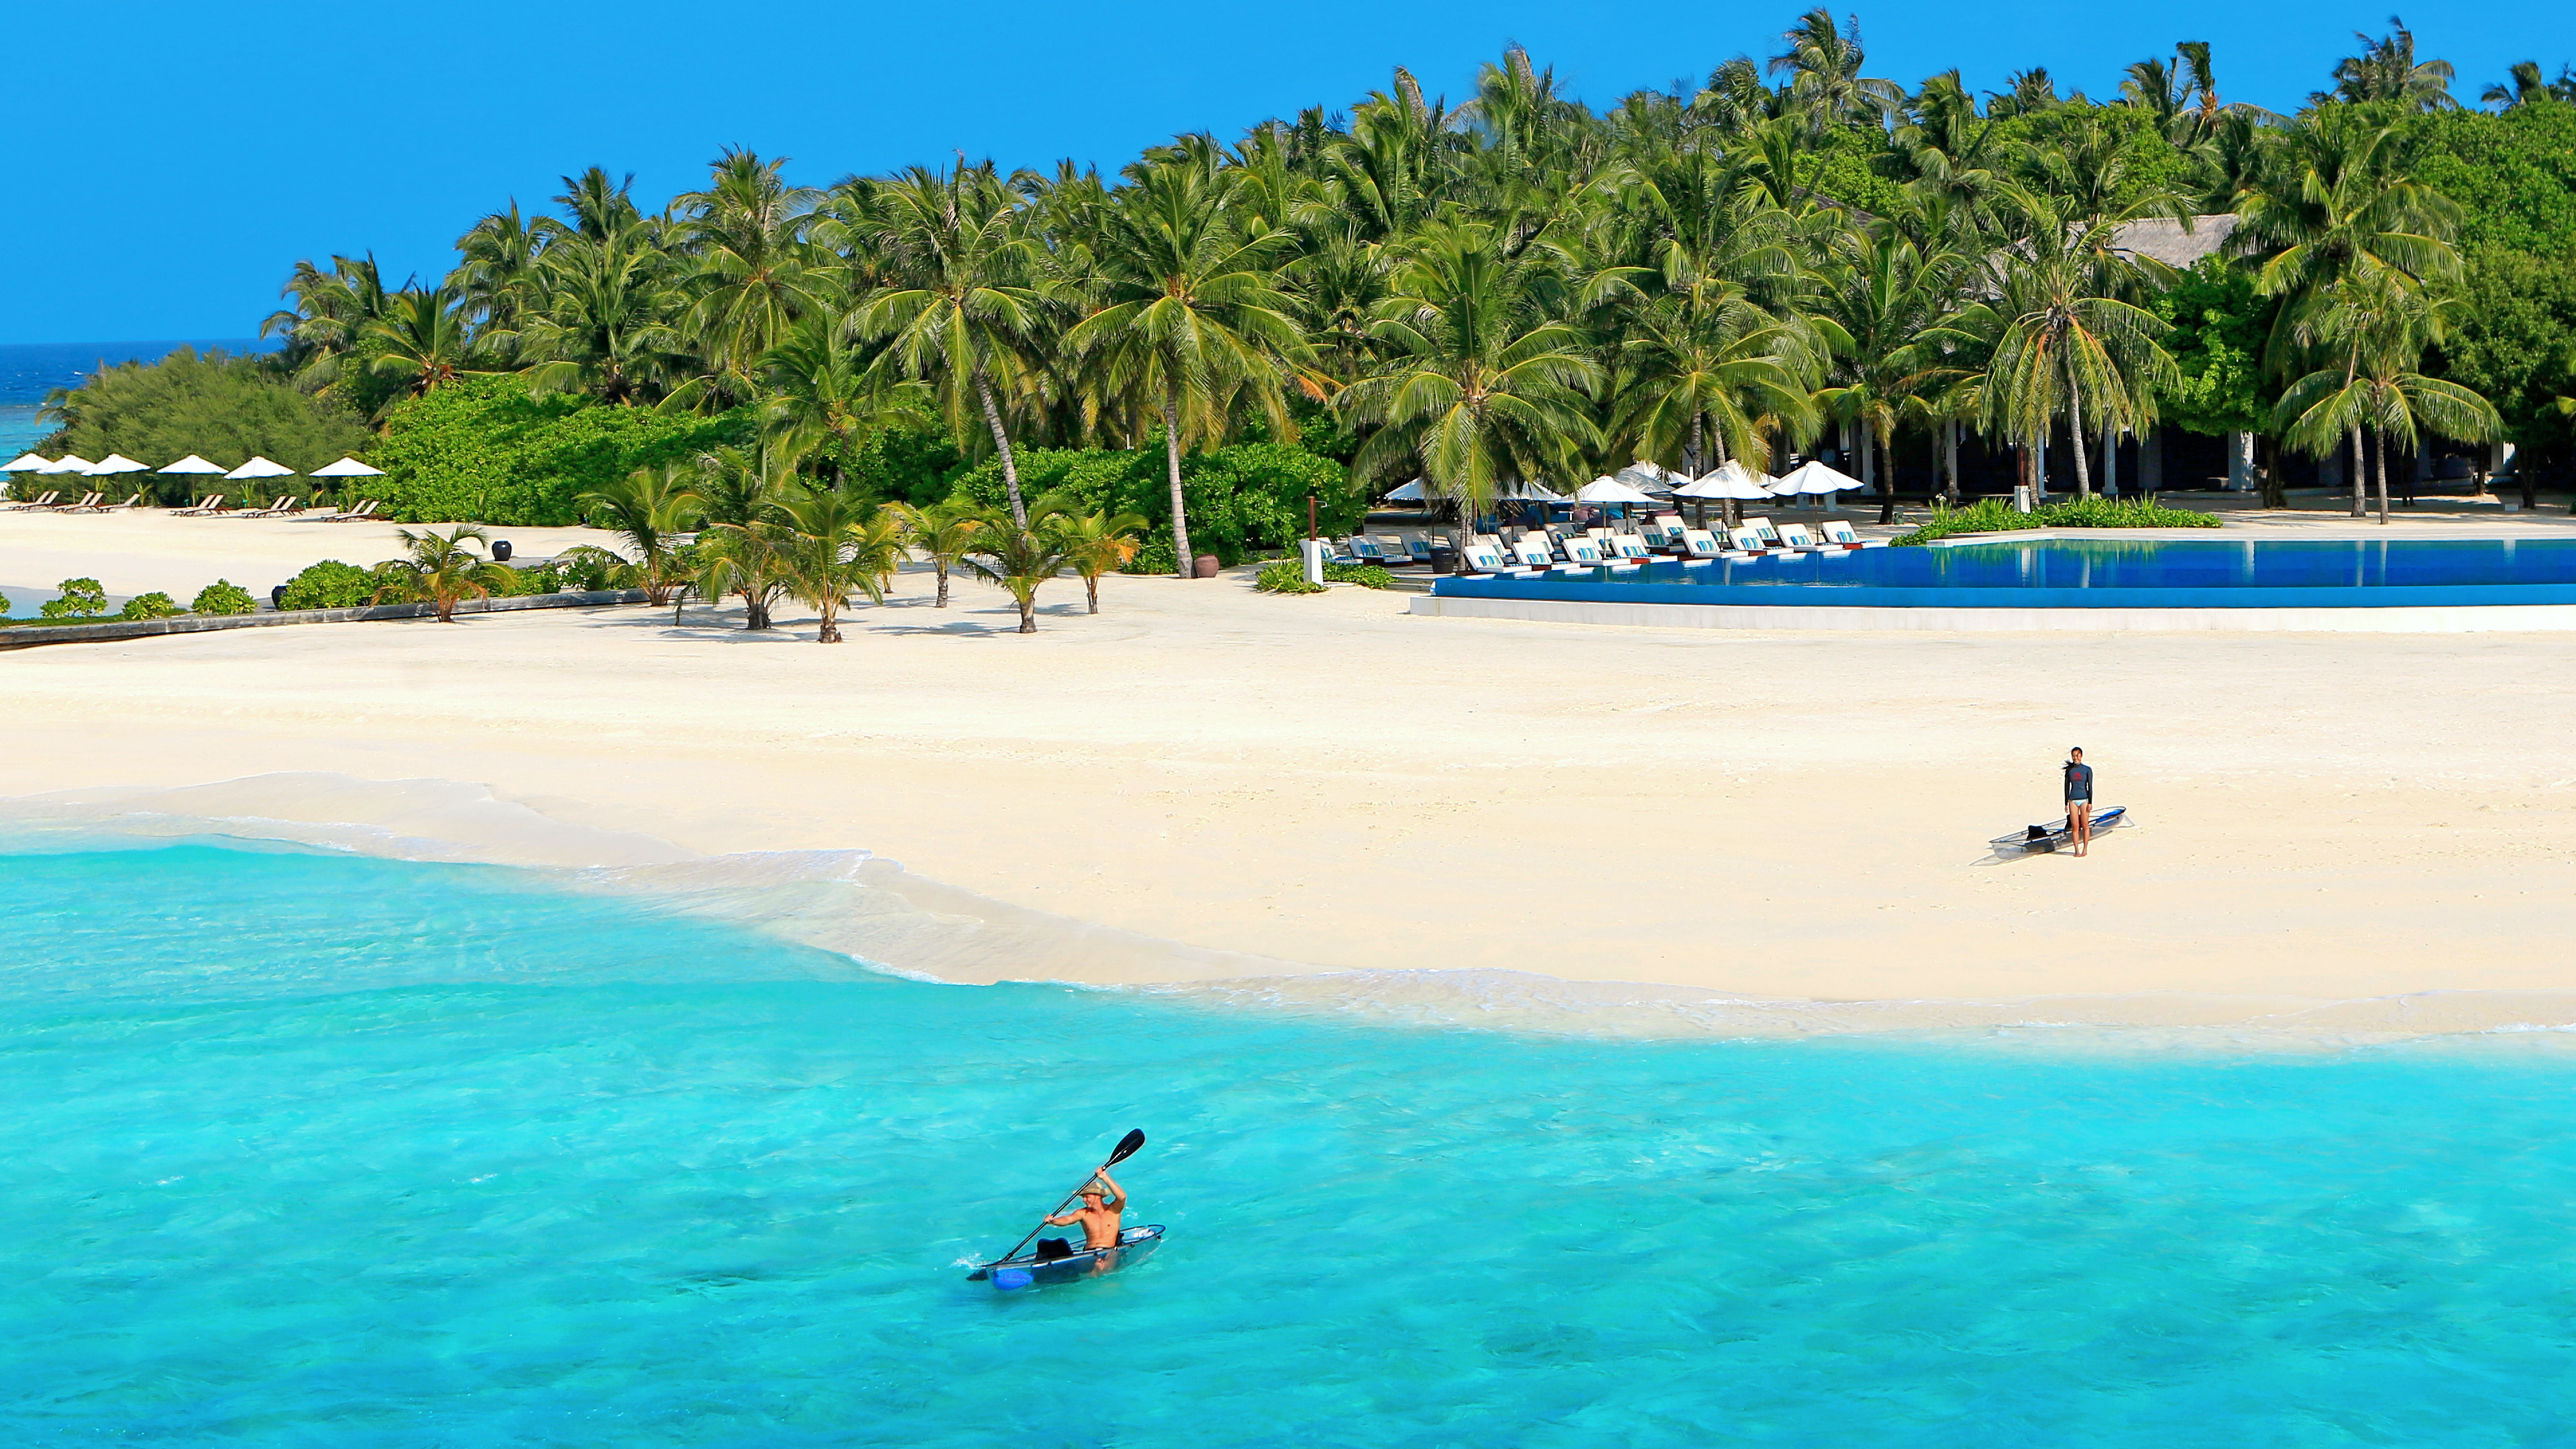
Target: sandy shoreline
1208 779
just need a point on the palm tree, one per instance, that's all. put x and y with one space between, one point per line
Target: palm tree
2383 330
747 559
832 546
331 311
648 510
1019 557
1823 66
2527 85
603 321
442 569
961 312
498 272
1189 319
944 533
1097 543
2387 70
1479 385
2063 338
822 397
753 275
1884 296
421 338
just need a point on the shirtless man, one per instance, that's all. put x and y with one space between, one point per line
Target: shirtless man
1099 1213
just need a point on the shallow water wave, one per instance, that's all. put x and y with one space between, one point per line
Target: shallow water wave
323 1149
883 918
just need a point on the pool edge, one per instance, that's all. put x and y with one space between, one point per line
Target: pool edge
2392 619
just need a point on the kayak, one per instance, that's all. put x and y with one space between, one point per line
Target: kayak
2041 839
1020 1272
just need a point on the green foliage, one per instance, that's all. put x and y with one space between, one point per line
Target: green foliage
1287 576
1994 515
223 597
2514 176
222 408
80 599
1243 500
329 584
911 462
1367 576
154 605
483 449
589 569
2219 326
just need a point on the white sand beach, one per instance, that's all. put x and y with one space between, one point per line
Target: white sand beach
1329 784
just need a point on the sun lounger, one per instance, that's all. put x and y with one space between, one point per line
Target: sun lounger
1629 547
1795 538
1749 540
1484 558
1532 550
274 509
46 501
88 501
1837 531
1367 550
1419 549
1583 552
132 501
212 505
1702 548
1763 530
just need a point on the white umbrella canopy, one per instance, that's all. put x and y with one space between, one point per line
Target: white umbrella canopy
1610 490
26 463
259 467
192 464
68 463
116 463
1650 477
1403 493
1731 480
352 468
1814 477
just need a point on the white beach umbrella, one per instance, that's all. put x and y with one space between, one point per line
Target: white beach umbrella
259 467
68 463
1404 493
350 468
1814 477
26 463
1609 490
192 464
1649 478
115 463
1731 480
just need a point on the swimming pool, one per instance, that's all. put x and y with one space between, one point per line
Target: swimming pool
2062 573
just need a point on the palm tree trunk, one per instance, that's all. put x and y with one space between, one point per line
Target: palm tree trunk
1181 562
2110 459
940 566
830 633
2075 441
1091 591
2360 470
1950 451
1029 612
1691 455
2380 485
1002 442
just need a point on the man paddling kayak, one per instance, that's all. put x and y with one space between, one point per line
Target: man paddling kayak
1099 1213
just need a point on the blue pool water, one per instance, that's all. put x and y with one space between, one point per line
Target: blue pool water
322 1151
2088 574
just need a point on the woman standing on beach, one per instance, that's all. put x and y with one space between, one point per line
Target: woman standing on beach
2079 799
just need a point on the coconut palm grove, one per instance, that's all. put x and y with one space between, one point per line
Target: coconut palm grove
1952 293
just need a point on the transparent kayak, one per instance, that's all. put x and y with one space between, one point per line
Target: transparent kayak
2041 839
1028 1269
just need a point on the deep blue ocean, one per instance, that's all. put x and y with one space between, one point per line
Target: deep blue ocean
28 371
316 1150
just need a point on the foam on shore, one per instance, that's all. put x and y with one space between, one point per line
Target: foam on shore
884 918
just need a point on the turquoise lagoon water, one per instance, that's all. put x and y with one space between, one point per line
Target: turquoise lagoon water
315 1150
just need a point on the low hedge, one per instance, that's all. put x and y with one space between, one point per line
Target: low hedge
1995 515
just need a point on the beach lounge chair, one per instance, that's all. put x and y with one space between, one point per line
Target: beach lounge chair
212 505
1701 548
45 501
88 502
1584 551
1367 550
132 501
275 508
1796 539
1629 548
1762 529
1419 550
1533 552
1484 558
1748 540
1838 531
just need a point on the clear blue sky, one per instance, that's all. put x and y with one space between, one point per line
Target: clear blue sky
176 158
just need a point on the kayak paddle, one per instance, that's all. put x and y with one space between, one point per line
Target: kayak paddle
1127 1147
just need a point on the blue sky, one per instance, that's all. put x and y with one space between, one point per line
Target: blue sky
189 153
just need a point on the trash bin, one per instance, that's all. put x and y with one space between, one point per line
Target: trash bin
1444 559
500 550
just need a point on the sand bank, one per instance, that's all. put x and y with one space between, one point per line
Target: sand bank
1221 786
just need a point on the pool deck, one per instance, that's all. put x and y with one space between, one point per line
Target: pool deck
2437 518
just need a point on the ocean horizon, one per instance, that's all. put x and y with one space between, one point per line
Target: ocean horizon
30 370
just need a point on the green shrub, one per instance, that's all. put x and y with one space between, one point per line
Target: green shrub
1995 515
223 597
1367 576
81 599
149 606
535 579
1243 500
482 449
588 569
329 584
1287 576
